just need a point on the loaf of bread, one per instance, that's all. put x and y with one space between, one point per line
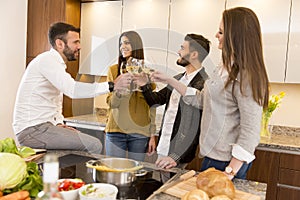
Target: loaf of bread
215 182
196 194
220 197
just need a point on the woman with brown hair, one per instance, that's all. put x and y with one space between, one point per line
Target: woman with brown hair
131 122
234 96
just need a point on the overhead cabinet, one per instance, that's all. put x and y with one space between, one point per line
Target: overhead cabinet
293 59
174 19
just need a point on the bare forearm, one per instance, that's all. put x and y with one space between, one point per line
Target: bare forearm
180 87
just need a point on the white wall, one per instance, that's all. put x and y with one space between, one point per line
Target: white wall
288 114
13 23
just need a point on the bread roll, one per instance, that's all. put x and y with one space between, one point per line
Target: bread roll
220 197
195 195
215 182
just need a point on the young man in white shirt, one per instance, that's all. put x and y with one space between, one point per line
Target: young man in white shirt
38 119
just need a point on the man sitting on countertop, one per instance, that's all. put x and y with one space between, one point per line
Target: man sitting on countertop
38 119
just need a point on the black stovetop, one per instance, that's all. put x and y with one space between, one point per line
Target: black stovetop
73 166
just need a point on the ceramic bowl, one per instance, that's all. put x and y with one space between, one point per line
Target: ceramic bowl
70 194
98 191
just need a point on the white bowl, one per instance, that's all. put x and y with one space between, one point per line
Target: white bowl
105 191
71 194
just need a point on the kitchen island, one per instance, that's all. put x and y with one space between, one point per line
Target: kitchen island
277 160
72 164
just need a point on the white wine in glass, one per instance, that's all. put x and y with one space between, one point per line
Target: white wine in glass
133 69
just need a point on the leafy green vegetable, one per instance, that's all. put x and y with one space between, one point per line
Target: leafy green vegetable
11 170
33 183
26 151
8 145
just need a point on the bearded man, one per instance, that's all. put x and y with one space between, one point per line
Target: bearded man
180 129
38 119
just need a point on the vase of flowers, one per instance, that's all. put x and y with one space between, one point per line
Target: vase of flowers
274 102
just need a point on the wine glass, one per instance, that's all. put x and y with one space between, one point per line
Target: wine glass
134 66
148 71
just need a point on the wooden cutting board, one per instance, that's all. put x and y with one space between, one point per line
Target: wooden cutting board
181 188
34 157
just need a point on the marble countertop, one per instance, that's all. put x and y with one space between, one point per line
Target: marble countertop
90 119
282 139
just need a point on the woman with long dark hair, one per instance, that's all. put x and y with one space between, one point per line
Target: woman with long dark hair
131 122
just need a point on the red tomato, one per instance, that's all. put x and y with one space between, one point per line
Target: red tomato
64 185
78 185
69 184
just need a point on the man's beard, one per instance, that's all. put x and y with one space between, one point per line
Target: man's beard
70 55
183 61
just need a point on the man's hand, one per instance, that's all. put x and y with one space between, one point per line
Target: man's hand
122 82
165 162
68 127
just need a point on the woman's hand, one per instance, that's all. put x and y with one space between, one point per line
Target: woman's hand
122 82
158 76
164 78
20 195
151 145
141 79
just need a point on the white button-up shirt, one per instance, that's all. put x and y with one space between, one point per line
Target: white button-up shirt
40 94
169 119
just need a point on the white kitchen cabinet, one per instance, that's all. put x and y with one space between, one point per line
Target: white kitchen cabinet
150 20
293 60
274 18
194 16
100 31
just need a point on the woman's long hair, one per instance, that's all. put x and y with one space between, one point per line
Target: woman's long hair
242 52
136 45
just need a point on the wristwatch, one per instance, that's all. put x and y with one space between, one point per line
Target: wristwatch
111 86
229 171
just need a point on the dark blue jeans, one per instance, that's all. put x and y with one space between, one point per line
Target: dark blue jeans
221 165
117 144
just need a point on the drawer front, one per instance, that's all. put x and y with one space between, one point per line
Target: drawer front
284 193
290 161
289 177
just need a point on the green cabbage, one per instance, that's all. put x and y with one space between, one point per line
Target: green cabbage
12 175
13 170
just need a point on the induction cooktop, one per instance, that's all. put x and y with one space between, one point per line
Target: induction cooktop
73 166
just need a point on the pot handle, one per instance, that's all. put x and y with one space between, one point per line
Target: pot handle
140 172
92 162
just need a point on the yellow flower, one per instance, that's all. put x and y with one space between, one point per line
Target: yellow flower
274 102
